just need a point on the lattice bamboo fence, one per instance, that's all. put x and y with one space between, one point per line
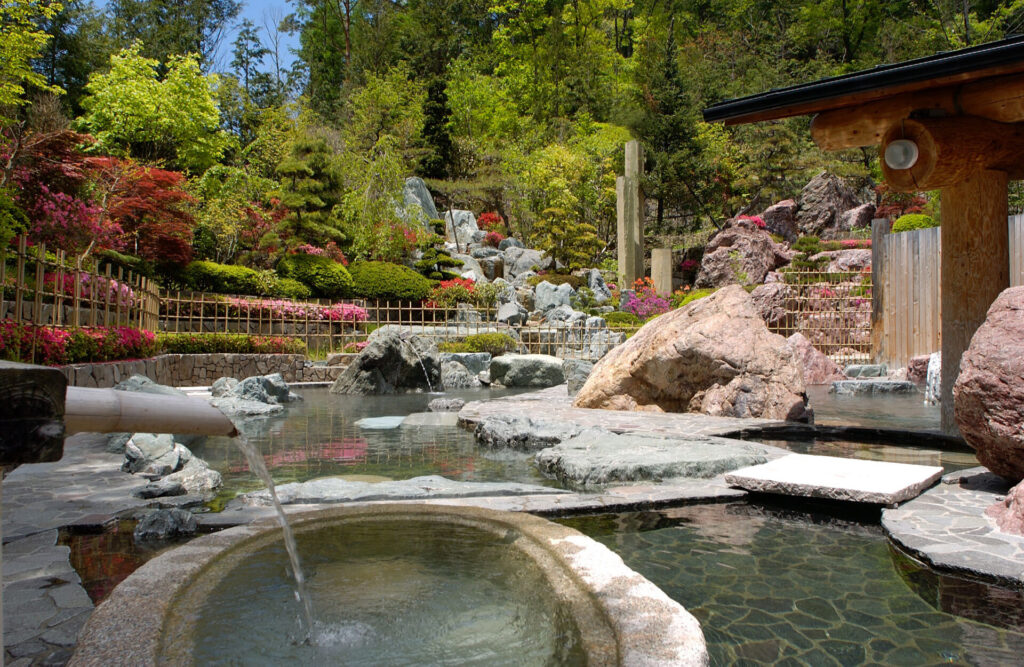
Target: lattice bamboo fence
831 309
53 290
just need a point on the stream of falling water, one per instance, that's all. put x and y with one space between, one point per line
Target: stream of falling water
257 465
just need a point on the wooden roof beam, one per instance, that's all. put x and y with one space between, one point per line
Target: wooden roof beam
999 99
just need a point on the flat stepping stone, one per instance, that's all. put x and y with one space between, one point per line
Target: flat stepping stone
380 423
432 419
854 480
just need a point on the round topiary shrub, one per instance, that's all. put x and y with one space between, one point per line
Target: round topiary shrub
619 319
389 282
912 221
322 275
225 279
290 288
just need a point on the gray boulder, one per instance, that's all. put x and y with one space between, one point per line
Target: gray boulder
520 260
446 405
473 361
822 203
527 370
523 433
140 383
595 281
565 316
594 322
522 281
455 376
392 360
197 477
493 267
484 252
417 202
510 243
467 313
576 372
164 525
511 314
152 451
159 489
470 268
548 296
221 386
265 389
460 226
598 457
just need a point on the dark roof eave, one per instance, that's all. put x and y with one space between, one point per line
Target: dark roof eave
978 58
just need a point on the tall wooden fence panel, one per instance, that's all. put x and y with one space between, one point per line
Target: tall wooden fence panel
908 295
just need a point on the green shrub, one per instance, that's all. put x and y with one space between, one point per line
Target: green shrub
290 288
388 282
621 319
322 275
210 343
454 346
694 295
495 343
556 279
227 279
136 265
912 221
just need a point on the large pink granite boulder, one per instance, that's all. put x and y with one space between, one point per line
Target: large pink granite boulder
715 356
740 253
822 203
780 219
989 393
1009 513
818 368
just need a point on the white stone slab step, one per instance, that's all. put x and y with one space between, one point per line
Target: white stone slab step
853 480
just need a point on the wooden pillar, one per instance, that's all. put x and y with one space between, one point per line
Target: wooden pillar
661 270
975 268
630 213
879 230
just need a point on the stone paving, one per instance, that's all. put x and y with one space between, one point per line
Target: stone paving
946 527
45 604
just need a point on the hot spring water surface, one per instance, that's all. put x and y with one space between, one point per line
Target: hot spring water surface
775 586
396 593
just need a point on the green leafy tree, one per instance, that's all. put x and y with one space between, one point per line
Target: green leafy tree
569 241
78 46
22 42
131 111
173 27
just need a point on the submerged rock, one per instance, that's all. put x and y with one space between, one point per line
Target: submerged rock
600 457
392 360
714 356
222 386
446 405
989 392
523 433
456 376
164 525
334 490
159 489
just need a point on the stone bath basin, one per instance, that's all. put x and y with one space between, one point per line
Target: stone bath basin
378 577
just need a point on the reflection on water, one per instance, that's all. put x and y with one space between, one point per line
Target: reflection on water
950 461
769 584
898 411
318 438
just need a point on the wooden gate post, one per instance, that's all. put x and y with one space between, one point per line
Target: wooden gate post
630 213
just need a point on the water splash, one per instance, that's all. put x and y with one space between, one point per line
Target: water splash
256 464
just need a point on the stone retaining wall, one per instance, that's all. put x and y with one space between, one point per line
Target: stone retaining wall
190 370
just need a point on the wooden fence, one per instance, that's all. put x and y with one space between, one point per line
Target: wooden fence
907 311
51 289
340 326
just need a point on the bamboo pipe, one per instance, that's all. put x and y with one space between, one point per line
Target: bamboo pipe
112 411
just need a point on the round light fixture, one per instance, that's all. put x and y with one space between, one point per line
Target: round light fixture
901 154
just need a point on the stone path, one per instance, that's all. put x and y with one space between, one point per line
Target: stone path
852 480
946 527
555 404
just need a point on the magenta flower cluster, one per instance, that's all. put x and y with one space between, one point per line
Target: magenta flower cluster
95 288
296 310
644 301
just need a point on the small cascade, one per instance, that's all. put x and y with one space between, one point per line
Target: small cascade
426 375
257 465
933 383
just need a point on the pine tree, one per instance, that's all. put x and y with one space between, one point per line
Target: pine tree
566 239
308 191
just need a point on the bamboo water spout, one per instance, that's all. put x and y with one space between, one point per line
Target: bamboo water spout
113 411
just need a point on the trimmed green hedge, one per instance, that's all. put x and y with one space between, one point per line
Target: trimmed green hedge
322 275
205 276
912 221
211 343
389 282
620 318
290 288
496 344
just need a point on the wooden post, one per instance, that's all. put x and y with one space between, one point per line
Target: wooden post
975 268
629 210
879 230
661 270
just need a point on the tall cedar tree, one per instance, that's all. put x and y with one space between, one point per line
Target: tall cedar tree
436 116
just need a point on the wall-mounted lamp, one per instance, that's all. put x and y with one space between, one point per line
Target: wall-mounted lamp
901 154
